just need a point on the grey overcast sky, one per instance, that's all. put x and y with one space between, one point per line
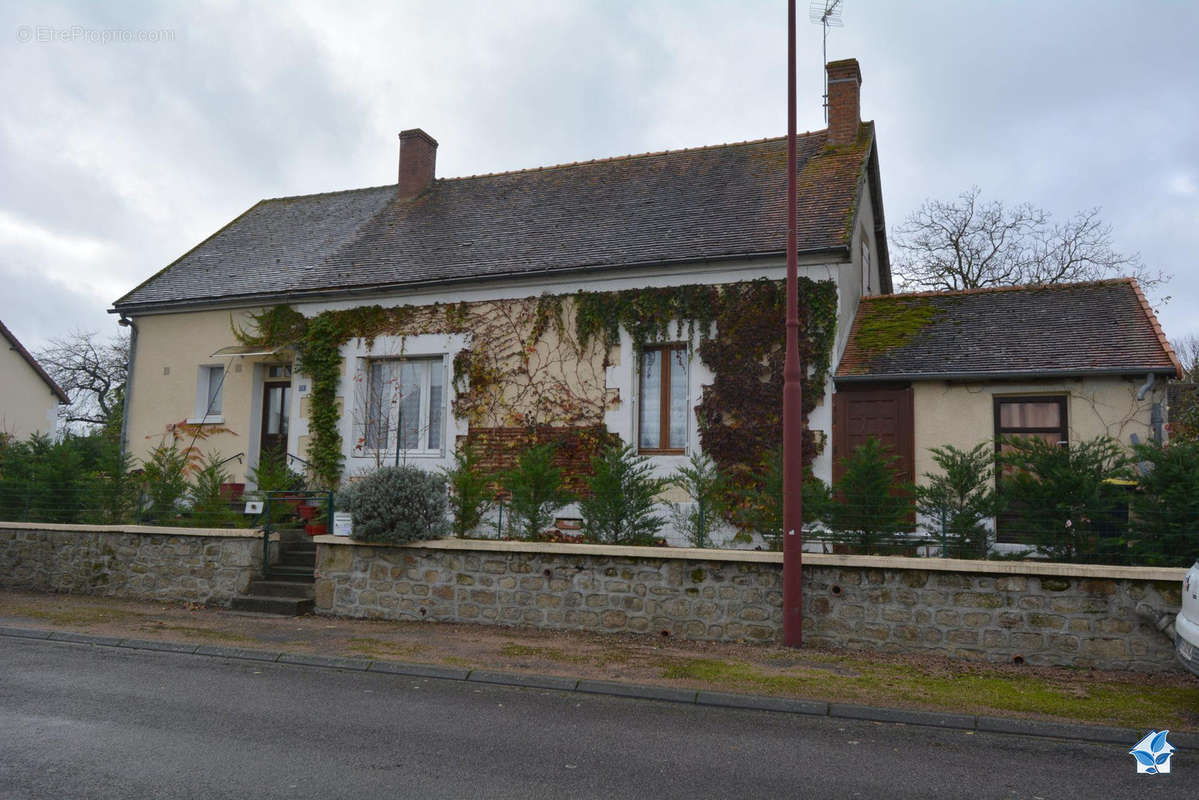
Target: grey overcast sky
118 156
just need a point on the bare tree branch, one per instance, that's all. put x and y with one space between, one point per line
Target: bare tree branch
969 244
1187 350
91 372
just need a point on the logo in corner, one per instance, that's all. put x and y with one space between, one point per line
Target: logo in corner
1153 753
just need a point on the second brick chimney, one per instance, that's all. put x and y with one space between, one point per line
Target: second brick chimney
418 162
844 102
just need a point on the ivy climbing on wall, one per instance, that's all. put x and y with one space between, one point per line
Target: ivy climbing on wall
539 363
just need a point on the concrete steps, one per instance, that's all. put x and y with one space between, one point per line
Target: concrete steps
289 589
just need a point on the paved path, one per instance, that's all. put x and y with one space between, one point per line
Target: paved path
78 721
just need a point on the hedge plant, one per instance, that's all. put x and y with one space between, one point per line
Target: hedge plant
397 505
619 508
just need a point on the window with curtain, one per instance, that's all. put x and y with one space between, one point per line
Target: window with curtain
405 403
662 415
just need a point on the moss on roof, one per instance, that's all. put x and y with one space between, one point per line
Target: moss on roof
895 321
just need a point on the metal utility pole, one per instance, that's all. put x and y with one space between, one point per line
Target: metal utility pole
792 390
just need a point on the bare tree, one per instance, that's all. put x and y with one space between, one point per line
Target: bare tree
1187 350
969 244
92 372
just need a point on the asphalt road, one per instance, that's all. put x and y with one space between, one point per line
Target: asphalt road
78 721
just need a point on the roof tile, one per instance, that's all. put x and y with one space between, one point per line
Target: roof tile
1098 326
684 205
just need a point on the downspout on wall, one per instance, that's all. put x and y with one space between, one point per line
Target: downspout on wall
125 322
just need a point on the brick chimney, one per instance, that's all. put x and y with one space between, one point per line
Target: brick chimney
418 160
844 103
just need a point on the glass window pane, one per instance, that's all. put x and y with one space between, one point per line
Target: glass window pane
411 377
650 422
678 398
378 405
215 376
284 409
274 414
1029 415
436 378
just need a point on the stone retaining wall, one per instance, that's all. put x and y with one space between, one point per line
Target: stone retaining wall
178 564
1050 614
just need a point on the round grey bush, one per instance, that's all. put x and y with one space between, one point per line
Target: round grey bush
396 505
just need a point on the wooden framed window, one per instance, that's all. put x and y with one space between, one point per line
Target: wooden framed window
1029 417
662 414
1026 417
405 404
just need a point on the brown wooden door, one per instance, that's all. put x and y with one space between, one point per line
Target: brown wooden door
884 413
276 411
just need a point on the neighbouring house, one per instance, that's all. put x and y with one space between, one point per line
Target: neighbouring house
1065 362
636 298
29 398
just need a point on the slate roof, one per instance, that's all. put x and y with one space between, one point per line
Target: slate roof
20 350
1099 327
723 201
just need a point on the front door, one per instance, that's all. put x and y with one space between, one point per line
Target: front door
880 412
276 411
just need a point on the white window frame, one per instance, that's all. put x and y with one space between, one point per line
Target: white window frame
205 375
433 362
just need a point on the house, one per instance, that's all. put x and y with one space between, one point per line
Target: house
636 297
29 398
1065 362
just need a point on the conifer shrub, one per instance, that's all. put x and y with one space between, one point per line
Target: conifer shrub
703 483
960 500
535 491
622 492
209 506
871 504
470 490
1067 499
164 476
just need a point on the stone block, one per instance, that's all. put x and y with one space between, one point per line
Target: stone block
1104 588
977 600
614 619
1027 642
1112 626
1046 622
1104 650
946 617
962 636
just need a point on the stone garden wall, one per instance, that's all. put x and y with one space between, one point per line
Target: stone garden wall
178 564
1048 614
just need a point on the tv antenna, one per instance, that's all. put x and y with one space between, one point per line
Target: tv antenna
827 14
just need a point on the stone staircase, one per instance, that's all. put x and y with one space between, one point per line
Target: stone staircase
289 588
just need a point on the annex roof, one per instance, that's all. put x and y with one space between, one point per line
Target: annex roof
1099 327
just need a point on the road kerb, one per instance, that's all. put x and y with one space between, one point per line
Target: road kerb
420 670
523 680
935 719
329 662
